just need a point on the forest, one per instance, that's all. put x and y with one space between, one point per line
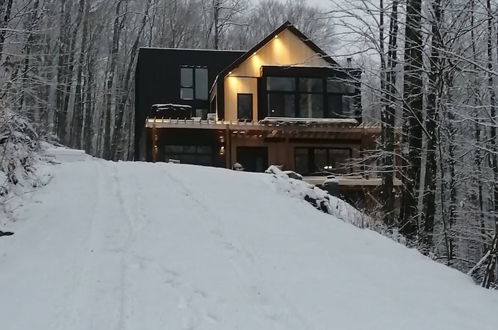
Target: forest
430 77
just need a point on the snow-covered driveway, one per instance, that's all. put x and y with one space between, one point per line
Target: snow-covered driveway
162 246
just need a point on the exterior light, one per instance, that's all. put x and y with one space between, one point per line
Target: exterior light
255 53
276 36
229 73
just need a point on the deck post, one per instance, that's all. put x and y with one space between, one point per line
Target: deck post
154 143
228 143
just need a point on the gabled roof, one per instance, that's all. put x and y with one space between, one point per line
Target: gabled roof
287 25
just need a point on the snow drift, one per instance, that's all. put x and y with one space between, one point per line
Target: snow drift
164 246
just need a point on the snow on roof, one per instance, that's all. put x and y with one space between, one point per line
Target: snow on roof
293 120
171 105
196 49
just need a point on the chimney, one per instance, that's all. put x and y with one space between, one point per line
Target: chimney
349 60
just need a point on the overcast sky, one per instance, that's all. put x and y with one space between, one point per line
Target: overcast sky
322 3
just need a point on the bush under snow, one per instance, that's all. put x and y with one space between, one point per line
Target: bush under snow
19 146
326 203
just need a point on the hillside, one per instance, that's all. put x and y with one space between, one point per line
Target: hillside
163 246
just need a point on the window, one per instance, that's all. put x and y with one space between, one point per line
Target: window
302 160
282 84
244 107
186 84
201 84
281 105
335 105
310 85
189 154
340 97
309 97
313 160
339 86
311 105
201 113
193 83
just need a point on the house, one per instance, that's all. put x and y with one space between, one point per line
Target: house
284 102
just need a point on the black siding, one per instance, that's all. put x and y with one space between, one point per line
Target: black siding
157 80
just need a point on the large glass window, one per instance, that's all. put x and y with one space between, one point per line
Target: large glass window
340 97
189 154
302 160
193 83
339 86
307 97
244 107
281 105
317 160
335 105
310 85
281 84
311 105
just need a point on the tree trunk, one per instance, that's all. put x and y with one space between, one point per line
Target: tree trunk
3 26
61 109
77 120
117 27
432 117
125 90
388 120
412 110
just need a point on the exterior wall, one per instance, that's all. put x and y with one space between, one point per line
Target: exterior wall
287 49
235 85
281 152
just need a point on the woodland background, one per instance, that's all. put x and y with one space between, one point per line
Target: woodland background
429 79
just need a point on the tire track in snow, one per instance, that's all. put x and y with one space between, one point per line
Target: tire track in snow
270 305
125 248
70 314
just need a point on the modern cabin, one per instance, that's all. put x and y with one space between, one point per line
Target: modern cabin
284 102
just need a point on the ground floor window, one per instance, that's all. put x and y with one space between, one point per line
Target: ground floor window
189 154
253 159
314 160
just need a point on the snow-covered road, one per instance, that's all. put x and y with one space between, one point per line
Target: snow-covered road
163 246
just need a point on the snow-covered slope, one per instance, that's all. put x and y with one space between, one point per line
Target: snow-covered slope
162 246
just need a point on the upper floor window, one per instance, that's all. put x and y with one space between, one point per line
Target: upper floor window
244 107
310 97
193 83
340 97
281 84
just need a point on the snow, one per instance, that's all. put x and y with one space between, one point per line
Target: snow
309 120
166 246
62 154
